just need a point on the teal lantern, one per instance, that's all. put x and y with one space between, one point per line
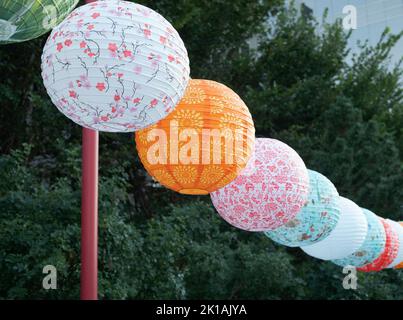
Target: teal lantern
373 245
22 20
316 219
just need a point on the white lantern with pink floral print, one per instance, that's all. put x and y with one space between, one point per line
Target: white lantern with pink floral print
115 66
269 192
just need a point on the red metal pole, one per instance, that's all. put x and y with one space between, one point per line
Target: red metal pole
89 216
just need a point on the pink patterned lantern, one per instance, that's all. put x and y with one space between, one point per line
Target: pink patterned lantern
269 192
115 66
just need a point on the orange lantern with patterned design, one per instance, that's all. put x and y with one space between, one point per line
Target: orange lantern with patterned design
203 144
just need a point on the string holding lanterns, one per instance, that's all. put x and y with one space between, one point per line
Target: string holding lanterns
115 66
372 247
203 144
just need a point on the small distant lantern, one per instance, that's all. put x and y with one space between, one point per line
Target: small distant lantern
389 252
399 229
400 265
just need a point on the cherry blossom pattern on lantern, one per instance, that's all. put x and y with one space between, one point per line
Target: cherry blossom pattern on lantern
115 66
269 192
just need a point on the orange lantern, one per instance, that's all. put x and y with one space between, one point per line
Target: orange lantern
203 144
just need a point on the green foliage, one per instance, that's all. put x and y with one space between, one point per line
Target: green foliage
345 120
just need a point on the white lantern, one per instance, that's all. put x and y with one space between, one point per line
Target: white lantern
399 229
348 235
115 66
372 247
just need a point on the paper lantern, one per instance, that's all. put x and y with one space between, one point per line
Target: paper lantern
372 247
399 230
316 219
400 265
389 252
269 192
22 20
346 238
115 66
203 144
